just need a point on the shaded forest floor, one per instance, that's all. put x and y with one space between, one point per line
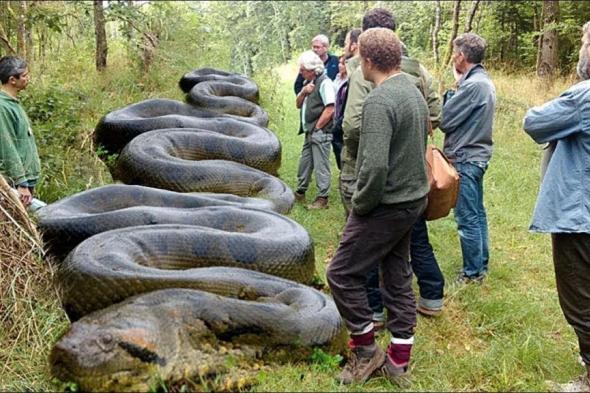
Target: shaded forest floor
507 334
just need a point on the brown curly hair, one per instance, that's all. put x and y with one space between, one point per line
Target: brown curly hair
382 46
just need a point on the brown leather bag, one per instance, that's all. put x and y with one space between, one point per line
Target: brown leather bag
444 184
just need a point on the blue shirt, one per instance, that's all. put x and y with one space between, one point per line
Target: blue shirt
468 117
563 203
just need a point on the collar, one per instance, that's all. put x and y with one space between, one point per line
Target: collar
473 70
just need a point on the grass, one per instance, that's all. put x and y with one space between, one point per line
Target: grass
507 334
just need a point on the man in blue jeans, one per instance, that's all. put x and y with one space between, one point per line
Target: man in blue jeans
467 120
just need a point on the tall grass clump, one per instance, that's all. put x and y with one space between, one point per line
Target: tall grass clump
30 317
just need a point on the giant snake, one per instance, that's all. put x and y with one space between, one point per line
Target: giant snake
200 192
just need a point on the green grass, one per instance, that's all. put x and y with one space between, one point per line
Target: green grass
507 334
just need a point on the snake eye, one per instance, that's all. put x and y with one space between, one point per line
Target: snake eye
105 341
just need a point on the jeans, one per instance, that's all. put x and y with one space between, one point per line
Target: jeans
471 219
431 281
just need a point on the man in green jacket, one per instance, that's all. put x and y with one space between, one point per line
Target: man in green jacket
19 160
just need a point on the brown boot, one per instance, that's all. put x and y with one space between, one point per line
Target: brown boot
362 363
399 376
319 203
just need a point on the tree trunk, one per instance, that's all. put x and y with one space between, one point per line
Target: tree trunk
5 42
21 32
101 36
471 15
435 43
456 12
547 56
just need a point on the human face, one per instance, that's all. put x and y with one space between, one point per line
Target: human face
367 69
583 67
319 49
349 47
342 67
21 81
308 75
458 60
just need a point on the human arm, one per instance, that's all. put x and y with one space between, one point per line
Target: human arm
459 107
556 119
298 85
325 117
11 164
358 89
305 91
373 158
432 97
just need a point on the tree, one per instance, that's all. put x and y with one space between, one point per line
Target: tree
435 31
548 54
101 36
471 15
21 37
456 13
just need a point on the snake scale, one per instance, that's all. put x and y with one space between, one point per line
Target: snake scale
193 249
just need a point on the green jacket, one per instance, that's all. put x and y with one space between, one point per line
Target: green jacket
359 88
19 160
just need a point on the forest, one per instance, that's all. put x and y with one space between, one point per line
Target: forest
88 58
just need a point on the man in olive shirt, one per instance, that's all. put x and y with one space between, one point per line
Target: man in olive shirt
389 197
19 160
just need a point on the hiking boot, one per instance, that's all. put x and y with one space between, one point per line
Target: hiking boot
399 376
364 360
580 384
299 197
319 203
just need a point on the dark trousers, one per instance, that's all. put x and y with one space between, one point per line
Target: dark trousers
571 258
379 239
337 143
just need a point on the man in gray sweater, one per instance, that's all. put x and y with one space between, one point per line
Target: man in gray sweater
389 197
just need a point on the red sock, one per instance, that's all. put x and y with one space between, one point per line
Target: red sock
361 339
399 354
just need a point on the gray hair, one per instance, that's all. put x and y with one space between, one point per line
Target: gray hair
11 66
583 67
323 39
311 62
472 46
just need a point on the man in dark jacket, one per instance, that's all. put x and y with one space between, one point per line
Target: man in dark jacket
320 44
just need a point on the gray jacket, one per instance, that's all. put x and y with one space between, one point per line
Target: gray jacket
468 117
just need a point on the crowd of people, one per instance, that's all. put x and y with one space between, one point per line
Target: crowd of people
375 107
377 115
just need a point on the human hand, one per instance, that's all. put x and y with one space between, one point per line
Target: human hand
457 74
25 196
307 89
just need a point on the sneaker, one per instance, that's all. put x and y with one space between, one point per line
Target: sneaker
319 203
464 279
399 376
428 312
362 363
299 197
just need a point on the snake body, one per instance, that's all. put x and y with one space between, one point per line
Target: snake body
138 255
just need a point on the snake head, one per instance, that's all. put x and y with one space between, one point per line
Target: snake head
107 356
